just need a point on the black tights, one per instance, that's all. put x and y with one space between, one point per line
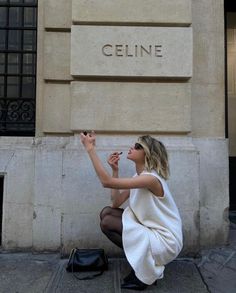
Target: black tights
111 224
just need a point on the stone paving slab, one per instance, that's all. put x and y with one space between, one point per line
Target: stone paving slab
32 273
214 272
218 269
25 272
65 282
180 276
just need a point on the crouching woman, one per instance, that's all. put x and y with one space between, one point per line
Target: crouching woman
150 228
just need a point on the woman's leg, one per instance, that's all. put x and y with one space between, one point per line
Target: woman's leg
111 224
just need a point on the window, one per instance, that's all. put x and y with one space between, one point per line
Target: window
18 34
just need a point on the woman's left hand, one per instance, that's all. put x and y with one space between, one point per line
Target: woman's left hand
88 140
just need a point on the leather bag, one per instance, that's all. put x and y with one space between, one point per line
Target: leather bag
86 260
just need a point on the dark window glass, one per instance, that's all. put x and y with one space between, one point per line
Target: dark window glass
30 17
29 42
18 33
13 86
28 86
31 1
15 16
16 1
29 61
14 39
13 63
3 16
2 39
2 63
1 86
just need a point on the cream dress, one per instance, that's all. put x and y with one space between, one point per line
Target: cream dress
152 231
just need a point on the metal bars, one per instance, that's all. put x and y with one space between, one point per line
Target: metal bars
18 38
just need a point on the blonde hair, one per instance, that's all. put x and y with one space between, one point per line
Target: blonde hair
156 157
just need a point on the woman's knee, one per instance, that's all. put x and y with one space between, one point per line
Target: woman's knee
111 223
105 211
106 223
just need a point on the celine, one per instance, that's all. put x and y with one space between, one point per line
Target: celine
123 50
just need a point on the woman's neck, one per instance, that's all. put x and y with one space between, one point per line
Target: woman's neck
139 168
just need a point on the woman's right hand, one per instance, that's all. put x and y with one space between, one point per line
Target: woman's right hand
113 161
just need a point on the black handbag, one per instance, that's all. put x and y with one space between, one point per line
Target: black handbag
86 260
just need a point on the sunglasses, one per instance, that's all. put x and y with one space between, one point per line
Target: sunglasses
138 146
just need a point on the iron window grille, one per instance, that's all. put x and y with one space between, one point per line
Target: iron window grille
18 39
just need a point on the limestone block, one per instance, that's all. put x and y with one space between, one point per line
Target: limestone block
208 104
191 234
208 58
17 225
81 187
131 51
48 177
208 16
46 228
213 171
57 14
57 55
5 158
20 193
11 142
185 190
81 229
213 231
214 190
56 108
132 11
185 193
130 106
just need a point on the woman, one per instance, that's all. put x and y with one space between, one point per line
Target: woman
149 229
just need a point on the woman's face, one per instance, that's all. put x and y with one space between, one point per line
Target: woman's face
136 154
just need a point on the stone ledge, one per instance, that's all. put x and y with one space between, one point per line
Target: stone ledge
132 11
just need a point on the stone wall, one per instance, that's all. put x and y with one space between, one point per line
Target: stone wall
52 197
121 68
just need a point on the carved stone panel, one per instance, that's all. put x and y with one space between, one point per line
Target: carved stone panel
163 52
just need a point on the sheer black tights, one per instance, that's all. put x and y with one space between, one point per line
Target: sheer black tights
111 224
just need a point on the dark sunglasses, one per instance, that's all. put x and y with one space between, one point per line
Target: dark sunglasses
138 146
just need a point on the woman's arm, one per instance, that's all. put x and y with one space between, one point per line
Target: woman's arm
113 162
117 201
143 181
117 197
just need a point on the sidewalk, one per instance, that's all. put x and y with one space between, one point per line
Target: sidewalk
214 271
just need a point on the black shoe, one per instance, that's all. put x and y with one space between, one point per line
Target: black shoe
130 276
134 284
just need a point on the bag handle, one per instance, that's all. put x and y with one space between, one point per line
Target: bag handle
88 277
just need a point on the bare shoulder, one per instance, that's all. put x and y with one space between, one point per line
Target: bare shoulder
154 185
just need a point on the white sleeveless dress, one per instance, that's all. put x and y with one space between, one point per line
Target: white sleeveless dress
152 231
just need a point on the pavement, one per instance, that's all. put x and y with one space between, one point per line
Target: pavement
214 270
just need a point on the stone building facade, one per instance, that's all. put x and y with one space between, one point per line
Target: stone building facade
123 69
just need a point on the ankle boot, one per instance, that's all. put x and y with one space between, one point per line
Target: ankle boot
130 276
133 283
